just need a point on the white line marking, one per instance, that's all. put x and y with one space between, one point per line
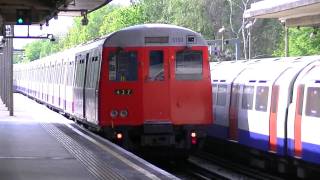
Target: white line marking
123 159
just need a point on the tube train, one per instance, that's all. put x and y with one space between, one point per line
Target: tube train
269 105
143 86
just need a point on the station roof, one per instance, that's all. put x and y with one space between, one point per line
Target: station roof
42 10
74 8
292 12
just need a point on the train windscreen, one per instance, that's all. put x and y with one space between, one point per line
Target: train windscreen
123 66
189 65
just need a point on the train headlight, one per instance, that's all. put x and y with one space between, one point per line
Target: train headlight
123 113
193 134
119 136
114 113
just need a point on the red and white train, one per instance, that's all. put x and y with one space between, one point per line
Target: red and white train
146 85
150 86
270 105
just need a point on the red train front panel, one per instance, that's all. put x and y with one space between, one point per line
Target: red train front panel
120 100
155 85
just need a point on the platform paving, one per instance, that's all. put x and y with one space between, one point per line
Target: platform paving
37 143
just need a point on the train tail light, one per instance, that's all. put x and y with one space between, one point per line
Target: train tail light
193 137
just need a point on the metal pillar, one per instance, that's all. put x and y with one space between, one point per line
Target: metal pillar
249 46
6 73
286 41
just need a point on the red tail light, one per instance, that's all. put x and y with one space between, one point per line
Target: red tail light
193 138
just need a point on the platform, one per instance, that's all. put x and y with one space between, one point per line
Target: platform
38 143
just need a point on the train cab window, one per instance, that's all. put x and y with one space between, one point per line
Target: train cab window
222 95
262 98
156 71
123 66
189 65
313 102
247 97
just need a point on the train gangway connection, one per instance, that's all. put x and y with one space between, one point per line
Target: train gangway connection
37 143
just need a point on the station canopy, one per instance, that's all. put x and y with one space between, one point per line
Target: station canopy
292 12
40 11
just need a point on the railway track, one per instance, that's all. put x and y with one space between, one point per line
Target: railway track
207 166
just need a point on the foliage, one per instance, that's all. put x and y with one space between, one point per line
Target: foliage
203 16
79 34
302 42
187 13
121 18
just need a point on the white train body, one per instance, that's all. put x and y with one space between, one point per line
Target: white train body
272 105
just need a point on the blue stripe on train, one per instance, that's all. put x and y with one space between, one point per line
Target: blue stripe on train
254 140
310 152
260 141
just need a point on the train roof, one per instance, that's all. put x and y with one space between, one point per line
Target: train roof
260 69
154 35
137 36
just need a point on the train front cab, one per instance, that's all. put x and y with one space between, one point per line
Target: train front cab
156 95
155 86
152 97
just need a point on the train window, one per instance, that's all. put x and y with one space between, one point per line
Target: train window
123 66
262 98
235 96
156 71
247 97
313 102
222 95
300 98
214 93
274 99
189 65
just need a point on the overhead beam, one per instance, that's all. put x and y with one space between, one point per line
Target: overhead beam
282 9
303 21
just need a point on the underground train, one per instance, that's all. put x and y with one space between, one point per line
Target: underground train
142 86
271 106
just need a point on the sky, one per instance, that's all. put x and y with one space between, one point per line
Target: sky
59 26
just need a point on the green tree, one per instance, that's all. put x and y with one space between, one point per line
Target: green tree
302 42
33 50
121 18
187 13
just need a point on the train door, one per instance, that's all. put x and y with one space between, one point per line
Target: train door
156 86
91 86
190 86
84 85
120 87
